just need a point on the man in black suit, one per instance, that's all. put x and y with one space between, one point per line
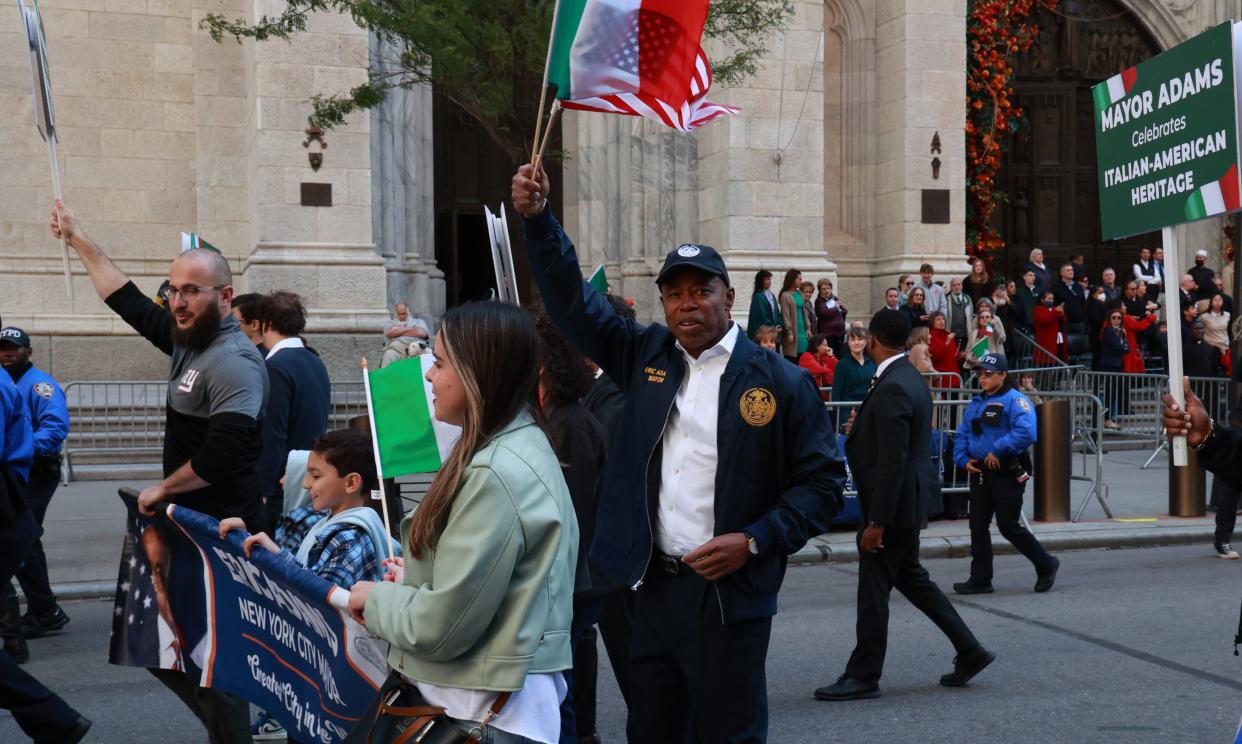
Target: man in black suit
1068 292
888 451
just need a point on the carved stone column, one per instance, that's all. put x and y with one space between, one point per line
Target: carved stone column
403 204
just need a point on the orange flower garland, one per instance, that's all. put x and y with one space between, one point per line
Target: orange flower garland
996 31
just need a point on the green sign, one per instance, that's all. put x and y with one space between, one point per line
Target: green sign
1166 135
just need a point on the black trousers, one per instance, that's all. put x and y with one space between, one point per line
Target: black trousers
1000 493
1226 500
225 715
32 576
693 677
616 621
41 713
897 567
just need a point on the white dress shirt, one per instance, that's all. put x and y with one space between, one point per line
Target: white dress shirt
287 343
687 515
884 365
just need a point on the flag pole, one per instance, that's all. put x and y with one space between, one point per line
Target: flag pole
547 135
379 466
547 69
56 192
1170 241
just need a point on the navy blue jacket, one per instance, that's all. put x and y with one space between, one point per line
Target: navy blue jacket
779 479
299 397
1113 349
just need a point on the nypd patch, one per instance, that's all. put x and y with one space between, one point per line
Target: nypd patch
1024 404
45 389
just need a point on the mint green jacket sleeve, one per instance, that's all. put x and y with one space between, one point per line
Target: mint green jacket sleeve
441 619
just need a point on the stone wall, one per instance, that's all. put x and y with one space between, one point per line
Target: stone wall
163 130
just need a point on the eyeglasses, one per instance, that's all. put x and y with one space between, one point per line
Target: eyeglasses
907 284
190 291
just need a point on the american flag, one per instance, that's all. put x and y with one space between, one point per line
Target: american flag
135 614
652 72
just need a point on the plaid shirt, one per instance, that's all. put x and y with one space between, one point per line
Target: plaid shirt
342 553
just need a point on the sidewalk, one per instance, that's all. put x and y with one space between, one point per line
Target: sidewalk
86 523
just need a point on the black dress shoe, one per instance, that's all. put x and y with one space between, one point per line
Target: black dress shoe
1044 581
967 665
79 730
37 626
970 587
16 647
848 688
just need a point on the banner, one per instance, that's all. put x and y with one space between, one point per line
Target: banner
1166 137
262 628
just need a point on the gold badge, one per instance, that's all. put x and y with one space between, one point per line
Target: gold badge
758 406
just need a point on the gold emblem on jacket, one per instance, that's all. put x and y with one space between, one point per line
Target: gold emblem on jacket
758 406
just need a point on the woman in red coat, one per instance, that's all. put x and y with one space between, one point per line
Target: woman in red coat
942 347
820 362
1133 360
1047 319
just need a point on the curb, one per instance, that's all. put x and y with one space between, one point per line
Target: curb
819 551
957 546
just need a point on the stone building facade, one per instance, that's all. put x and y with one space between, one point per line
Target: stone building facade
829 167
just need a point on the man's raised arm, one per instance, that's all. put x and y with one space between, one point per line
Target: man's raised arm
104 274
114 287
581 313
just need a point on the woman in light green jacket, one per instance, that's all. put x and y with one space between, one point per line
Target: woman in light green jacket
484 600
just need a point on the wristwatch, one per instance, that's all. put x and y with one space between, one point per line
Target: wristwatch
752 545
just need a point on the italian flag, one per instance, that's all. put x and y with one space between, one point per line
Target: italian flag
1217 197
191 241
1114 89
981 346
407 437
598 280
635 58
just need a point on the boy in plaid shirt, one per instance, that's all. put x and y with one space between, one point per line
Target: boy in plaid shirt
339 536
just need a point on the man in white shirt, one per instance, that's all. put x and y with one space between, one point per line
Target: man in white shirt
724 463
407 336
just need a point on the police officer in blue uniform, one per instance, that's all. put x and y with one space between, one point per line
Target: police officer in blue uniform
991 444
49 417
42 715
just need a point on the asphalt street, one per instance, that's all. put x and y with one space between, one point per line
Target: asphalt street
1131 646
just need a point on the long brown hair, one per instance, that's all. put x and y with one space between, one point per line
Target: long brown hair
494 348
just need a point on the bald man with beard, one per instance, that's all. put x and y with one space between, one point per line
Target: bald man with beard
217 391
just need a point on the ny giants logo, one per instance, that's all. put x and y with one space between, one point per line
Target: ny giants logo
187 381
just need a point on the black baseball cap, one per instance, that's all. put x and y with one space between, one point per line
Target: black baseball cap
14 336
993 363
701 257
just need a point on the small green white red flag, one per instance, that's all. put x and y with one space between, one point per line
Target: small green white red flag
635 58
1217 197
1114 89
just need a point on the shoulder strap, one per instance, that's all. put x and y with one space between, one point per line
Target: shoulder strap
501 700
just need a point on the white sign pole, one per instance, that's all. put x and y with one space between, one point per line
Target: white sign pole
64 242
1173 314
379 462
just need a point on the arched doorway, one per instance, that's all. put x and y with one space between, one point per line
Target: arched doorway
1050 168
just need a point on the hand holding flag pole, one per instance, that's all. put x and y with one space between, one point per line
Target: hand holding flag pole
379 464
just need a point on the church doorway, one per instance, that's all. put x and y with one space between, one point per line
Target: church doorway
471 172
1050 168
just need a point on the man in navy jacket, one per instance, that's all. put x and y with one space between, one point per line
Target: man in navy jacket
299 394
724 464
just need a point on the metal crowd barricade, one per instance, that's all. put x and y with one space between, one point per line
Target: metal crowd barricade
124 419
1131 405
948 408
114 417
